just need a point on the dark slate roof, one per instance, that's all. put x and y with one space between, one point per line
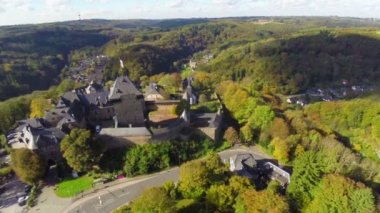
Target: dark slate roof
130 110
54 115
152 89
94 87
46 137
67 98
206 119
34 123
123 86
43 136
49 133
99 98
242 160
76 111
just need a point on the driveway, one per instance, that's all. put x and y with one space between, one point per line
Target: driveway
107 200
48 201
8 199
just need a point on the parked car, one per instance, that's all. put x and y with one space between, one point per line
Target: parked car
22 200
98 128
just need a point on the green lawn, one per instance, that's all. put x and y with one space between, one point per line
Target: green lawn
71 187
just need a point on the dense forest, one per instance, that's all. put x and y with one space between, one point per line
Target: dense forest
276 50
28 56
305 60
251 64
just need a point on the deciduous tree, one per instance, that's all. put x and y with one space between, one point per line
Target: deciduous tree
29 166
221 196
246 133
193 180
153 200
263 201
281 150
340 194
80 150
38 106
262 117
231 135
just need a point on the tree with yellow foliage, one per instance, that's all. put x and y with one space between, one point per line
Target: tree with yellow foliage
261 201
38 106
281 150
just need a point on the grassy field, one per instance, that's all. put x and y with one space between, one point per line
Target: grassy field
69 188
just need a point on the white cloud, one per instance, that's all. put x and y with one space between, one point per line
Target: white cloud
226 2
89 14
57 5
24 5
14 3
177 3
98 1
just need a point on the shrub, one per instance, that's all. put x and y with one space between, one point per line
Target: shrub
231 135
203 98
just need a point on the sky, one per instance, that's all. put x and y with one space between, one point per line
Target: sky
40 11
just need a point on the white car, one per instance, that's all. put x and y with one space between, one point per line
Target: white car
22 200
98 128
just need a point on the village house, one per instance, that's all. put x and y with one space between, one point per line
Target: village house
89 107
246 165
210 124
118 116
36 135
154 92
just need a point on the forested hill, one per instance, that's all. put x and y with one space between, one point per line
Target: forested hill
32 58
294 64
280 51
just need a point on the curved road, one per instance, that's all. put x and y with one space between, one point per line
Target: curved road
106 200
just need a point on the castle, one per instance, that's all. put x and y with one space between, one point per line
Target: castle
118 117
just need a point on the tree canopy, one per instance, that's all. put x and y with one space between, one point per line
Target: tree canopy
340 194
80 150
153 200
29 166
261 201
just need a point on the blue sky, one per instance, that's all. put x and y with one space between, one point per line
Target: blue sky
37 11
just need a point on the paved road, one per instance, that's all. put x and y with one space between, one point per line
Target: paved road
109 199
8 199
